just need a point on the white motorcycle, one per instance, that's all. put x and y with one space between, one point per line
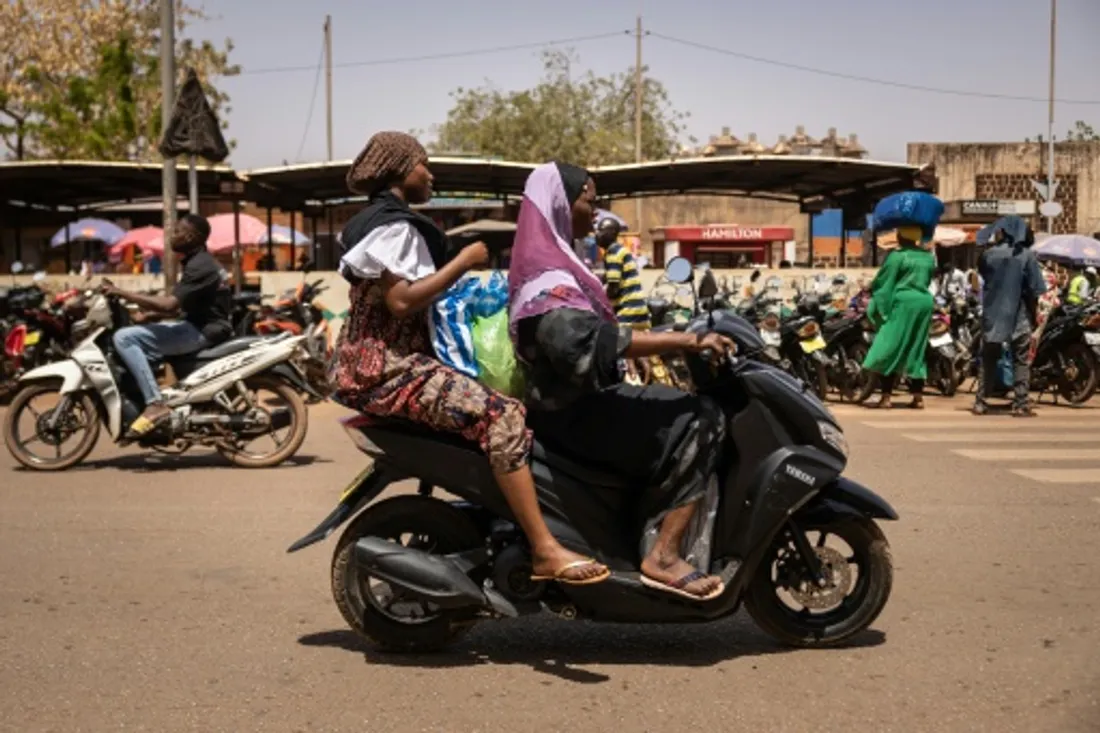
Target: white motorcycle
226 397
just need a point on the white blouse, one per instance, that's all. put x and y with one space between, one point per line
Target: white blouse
398 248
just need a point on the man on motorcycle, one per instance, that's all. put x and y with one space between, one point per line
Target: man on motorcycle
1080 287
624 287
202 295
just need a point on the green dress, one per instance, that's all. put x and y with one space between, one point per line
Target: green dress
901 306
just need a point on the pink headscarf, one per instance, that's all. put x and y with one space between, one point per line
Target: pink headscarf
545 273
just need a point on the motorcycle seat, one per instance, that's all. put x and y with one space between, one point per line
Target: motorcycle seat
540 452
556 460
228 347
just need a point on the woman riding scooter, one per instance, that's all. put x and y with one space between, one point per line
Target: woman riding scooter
567 335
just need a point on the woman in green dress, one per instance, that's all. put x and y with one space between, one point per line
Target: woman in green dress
901 307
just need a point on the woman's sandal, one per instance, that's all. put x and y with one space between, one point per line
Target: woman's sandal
677 587
560 576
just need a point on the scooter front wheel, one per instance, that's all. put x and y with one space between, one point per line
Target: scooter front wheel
380 612
65 439
794 609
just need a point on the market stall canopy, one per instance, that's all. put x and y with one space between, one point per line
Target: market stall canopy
80 184
481 226
293 186
88 230
816 182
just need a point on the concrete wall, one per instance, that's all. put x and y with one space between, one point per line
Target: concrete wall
335 299
1004 170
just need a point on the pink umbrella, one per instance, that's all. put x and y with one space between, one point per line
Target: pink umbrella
221 233
140 238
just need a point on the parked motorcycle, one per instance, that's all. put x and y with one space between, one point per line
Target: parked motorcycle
942 354
779 499
1067 356
215 403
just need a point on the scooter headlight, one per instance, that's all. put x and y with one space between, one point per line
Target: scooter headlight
832 435
809 331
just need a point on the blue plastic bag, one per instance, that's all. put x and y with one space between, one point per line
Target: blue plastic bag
912 208
452 321
492 297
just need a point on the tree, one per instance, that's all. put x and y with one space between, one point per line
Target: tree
68 64
1082 132
588 120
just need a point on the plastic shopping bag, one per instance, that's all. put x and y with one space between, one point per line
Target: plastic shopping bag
496 360
912 208
451 319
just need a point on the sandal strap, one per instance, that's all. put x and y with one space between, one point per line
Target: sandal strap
689 578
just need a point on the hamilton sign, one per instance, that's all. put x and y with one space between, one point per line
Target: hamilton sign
727 234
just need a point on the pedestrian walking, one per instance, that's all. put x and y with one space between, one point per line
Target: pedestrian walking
1010 310
901 307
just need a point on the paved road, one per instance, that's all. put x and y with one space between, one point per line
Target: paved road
154 594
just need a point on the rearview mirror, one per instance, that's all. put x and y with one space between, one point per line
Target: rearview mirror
16 267
679 270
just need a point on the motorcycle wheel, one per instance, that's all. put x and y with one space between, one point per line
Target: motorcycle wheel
947 379
238 454
829 616
414 521
821 381
865 385
1081 364
82 419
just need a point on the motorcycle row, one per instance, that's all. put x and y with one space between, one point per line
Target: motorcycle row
822 335
245 398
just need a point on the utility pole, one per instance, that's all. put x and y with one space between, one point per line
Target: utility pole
168 164
1050 115
328 83
638 119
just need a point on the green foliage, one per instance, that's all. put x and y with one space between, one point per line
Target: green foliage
587 120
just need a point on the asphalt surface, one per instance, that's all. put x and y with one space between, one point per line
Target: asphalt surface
141 593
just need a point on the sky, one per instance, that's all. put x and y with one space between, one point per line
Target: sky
998 47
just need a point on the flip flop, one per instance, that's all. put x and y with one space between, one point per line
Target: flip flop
677 588
560 577
143 426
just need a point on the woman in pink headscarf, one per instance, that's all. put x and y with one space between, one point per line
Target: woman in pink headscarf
664 440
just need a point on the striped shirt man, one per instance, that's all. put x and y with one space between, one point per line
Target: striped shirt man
624 287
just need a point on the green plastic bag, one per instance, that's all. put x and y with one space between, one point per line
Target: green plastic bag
496 360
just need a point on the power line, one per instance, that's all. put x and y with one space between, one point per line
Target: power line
442 56
864 79
312 101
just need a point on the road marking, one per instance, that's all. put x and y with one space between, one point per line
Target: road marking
984 437
985 424
1061 475
1030 454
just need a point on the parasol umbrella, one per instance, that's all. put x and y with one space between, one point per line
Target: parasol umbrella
282 235
602 214
140 238
221 234
88 230
1071 249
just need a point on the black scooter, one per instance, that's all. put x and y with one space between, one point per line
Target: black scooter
413 573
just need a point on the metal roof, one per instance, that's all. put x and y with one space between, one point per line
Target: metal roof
813 181
82 183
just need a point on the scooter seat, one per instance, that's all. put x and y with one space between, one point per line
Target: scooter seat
227 348
591 476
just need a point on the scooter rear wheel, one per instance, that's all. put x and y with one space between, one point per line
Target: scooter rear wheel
424 522
828 618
